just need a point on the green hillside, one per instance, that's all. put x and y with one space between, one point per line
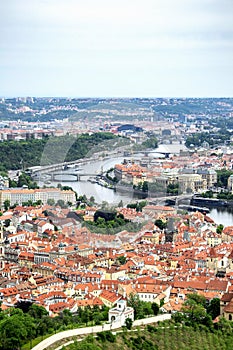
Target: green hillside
158 338
23 154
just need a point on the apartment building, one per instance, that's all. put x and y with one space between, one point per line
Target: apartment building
20 195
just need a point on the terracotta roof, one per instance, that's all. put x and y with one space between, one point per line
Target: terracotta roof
227 297
109 296
217 285
229 307
212 253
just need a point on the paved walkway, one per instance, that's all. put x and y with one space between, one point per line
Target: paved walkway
89 330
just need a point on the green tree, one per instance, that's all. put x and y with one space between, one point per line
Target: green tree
219 228
121 259
7 222
104 205
6 204
146 308
145 186
137 305
213 308
23 305
25 180
195 311
222 177
155 308
173 188
13 332
151 142
141 308
61 203
37 311
199 299
92 199
128 323
179 317
208 194
161 224
224 326
29 203
12 183
141 205
38 202
51 201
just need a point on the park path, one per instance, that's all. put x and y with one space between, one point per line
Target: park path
90 330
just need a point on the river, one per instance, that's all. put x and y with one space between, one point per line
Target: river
222 216
219 215
91 189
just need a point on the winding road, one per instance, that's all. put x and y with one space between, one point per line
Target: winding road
90 330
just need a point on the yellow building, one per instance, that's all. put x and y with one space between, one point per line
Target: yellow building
191 182
114 273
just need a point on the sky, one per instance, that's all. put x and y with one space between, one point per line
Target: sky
116 48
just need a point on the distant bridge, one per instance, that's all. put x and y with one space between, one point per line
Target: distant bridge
76 175
146 153
37 171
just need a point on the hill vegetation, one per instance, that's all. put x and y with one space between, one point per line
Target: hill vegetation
23 154
27 324
160 337
191 329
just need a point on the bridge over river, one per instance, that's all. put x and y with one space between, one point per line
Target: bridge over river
77 175
59 169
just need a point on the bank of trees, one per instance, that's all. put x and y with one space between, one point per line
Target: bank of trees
141 308
196 311
110 222
23 154
222 177
138 205
24 180
173 189
213 138
22 324
151 142
141 186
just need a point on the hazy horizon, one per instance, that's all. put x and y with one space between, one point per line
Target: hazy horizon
117 49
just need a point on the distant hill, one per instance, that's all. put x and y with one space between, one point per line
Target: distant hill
47 109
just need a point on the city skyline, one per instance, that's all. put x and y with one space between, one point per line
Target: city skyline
84 49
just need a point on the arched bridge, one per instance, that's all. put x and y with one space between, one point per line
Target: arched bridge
77 175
